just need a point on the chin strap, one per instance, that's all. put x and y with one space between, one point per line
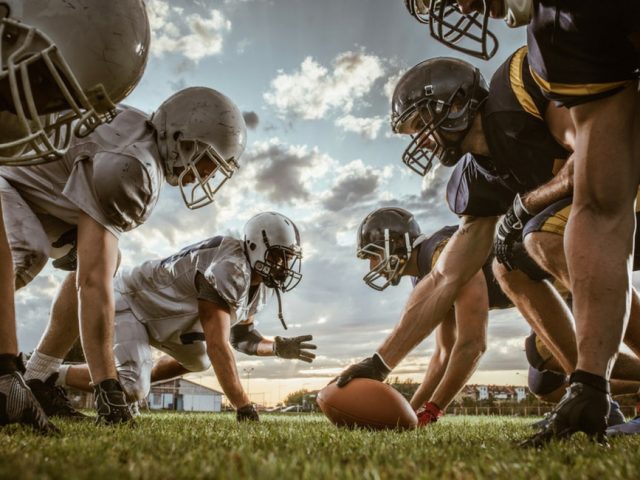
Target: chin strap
280 316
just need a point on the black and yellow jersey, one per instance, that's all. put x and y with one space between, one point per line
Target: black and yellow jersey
429 250
522 148
523 152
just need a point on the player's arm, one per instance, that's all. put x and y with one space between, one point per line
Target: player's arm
559 187
525 207
246 339
97 260
432 298
445 339
216 325
472 315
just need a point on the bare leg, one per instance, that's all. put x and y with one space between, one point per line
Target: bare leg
78 377
632 335
445 339
544 310
599 236
165 368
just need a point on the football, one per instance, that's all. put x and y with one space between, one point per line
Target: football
366 403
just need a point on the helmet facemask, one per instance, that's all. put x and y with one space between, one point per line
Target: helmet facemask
29 61
280 268
466 33
201 171
390 267
444 124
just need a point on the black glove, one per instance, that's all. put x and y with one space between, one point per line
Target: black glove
509 232
247 413
294 348
373 367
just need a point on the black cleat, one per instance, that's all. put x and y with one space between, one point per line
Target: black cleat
111 404
19 405
54 399
582 409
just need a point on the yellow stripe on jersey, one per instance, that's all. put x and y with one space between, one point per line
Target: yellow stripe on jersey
517 83
437 251
577 89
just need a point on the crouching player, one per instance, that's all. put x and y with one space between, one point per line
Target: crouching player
189 305
390 239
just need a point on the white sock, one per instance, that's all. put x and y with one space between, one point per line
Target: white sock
41 366
62 375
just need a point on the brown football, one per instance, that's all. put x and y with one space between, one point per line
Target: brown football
366 403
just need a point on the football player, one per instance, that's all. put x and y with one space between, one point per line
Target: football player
108 183
504 140
598 87
192 306
390 239
52 87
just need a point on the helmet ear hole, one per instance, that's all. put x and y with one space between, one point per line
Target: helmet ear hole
176 135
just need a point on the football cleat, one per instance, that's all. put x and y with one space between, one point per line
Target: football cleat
111 404
582 409
18 405
429 413
53 399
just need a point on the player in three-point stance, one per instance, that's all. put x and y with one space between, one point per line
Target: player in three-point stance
194 306
108 183
585 58
53 88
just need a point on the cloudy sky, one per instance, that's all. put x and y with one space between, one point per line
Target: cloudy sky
314 80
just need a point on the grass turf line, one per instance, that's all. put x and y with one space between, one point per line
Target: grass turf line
192 446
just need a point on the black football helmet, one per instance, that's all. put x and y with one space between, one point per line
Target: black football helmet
435 102
386 234
469 33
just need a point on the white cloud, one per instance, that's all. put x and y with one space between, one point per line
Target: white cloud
195 35
367 127
313 91
392 81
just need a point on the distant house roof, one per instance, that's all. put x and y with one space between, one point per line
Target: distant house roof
182 385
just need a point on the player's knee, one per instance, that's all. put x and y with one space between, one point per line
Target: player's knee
473 348
502 274
199 364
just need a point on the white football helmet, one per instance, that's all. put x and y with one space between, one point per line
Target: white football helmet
64 61
201 136
272 243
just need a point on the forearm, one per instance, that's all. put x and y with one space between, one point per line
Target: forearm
432 378
434 296
165 368
224 366
559 187
96 312
8 338
463 362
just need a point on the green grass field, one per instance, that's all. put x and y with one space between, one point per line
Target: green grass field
189 446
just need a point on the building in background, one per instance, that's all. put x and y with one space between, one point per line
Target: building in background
184 395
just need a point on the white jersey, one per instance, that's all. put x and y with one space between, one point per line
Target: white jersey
162 294
113 175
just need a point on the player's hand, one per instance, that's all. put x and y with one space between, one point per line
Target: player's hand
372 367
247 413
509 232
294 348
